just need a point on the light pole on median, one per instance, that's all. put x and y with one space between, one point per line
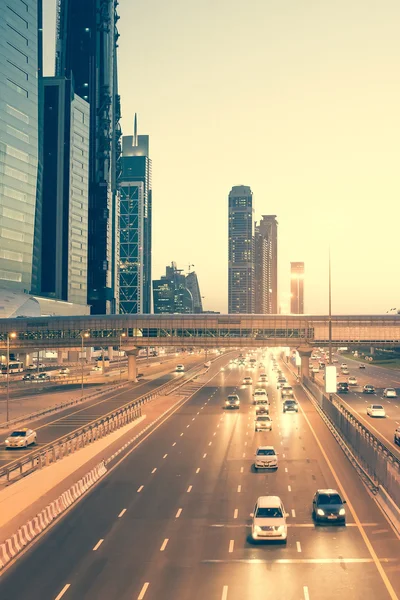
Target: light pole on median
122 335
12 335
83 335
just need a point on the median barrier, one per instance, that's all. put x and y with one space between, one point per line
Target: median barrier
25 534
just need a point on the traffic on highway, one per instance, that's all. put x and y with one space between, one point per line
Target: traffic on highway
212 505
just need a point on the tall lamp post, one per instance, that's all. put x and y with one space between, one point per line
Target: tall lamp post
12 336
121 335
83 334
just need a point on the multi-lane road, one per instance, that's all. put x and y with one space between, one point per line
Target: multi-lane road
356 401
172 520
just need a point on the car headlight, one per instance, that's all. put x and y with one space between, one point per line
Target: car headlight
342 512
226 402
257 529
21 442
7 442
320 512
280 528
237 402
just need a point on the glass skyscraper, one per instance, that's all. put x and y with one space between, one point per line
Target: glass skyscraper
266 265
241 251
18 140
171 294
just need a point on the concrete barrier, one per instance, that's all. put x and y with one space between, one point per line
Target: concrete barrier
25 534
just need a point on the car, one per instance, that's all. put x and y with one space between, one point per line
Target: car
335 360
345 372
262 423
397 436
376 410
361 366
290 405
21 438
31 367
287 392
328 505
95 368
260 394
42 377
265 457
343 387
179 368
262 409
389 393
263 378
343 366
28 377
269 519
368 389
232 401
352 381
314 369
64 371
281 382
247 381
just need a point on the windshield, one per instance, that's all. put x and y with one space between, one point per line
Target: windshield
265 452
377 406
233 398
270 513
329 499
263 419
18 434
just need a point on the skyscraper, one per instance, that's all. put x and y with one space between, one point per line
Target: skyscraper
19 62
241 251
135 224
297 288
86 52
192 284
65 191
266 265
170 294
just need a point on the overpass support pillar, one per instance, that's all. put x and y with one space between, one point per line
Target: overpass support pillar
372 351
25 358
305 355
132 369
88 354
73 356
110 352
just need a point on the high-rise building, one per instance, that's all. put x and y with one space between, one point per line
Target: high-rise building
171 294
135 224
241 251
266 265
86 53
19 64
297 288
65 119
192 284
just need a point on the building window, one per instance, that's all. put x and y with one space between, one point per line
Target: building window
18 134
11 151
16 174
10 276
13 214
12 235
17 114
8 255
14 194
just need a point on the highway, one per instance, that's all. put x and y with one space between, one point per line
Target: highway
53 426
171 520
356 401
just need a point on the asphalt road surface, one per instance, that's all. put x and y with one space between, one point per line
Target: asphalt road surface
172 520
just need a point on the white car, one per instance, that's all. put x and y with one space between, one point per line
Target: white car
265 458
64 371
352 380
376 410
389 393
21 438
179 368
263 423
260 394
247 381
269 519
343 366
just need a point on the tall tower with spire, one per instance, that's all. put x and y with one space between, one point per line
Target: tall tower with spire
135 224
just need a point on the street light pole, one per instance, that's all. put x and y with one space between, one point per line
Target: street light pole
119 354
9 335
83 335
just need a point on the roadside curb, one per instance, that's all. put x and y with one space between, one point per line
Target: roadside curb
25 534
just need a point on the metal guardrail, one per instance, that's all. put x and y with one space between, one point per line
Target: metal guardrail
88 433
375 458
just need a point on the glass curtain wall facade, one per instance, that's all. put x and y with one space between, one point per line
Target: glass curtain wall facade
18 140
266 266
170 294
241 251
297 288
86 52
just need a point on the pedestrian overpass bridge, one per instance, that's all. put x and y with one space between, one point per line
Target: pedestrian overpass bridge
203 330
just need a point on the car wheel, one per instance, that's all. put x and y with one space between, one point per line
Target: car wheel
255 469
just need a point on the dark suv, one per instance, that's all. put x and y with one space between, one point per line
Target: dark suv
290 406
342 386
328 505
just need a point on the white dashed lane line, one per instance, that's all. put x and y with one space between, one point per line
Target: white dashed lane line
241 469
289 488
235 514
189 489
165 455
224 593
99 543
174 444
293 513
178 514
204 455
231 545
164 545
305 592
154 470
198 470
140 488
143 590
121 514
239 488
61 594
298 546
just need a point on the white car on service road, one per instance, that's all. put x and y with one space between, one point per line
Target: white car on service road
389 393
179 368
269 519
376 410
21 438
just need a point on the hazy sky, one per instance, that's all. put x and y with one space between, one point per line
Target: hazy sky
299 99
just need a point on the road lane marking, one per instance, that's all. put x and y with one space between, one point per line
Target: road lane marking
305 592
224 593
99 543
198 470
283 456
241 469
245 443
298 561
244 454
209 443
215 433
164 545
235 514
375 559
165 455
143 590
289 488
61 594
154 470
239 488
193 418
178 514
286 470
187 426
121 514
174 444
231 545
181 435
298 546
204 455
293 513
189 489
140 488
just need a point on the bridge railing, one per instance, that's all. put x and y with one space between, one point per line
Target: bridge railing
375 458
